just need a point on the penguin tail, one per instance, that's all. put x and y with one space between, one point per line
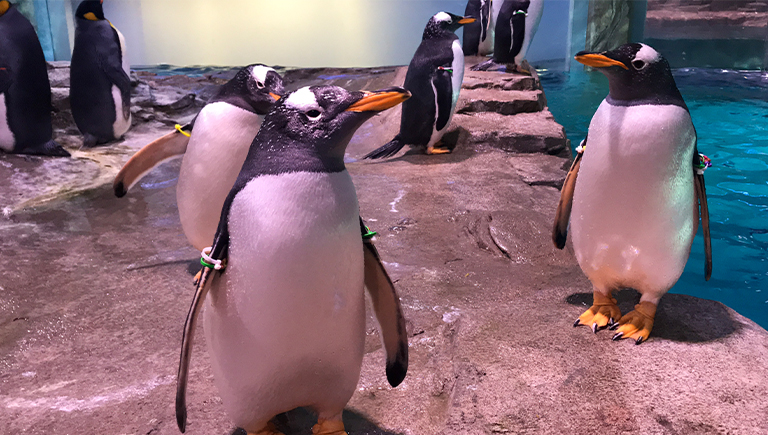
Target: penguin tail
390 149
50 148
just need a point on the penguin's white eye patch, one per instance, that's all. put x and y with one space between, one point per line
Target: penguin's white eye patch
303 100
638 64
442 16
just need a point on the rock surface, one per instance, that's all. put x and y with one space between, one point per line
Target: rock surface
92 306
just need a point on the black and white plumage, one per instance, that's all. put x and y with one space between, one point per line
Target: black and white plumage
434 78
100 84
290 303
478 36
25 92
635 196
515 26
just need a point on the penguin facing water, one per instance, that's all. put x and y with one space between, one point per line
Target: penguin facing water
213 153
635 195
285 322
100 84
434 78
514 28
25 92
478 36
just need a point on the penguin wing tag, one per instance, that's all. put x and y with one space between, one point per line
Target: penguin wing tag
701 200
171 146
389 314
443 83
5 79
563 214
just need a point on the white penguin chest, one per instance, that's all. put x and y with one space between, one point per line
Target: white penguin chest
633 208
457 78
215 154
7 140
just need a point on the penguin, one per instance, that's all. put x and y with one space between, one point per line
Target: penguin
478 36
515 26
635 192
214 151
25 92
100 84
434 78
285 321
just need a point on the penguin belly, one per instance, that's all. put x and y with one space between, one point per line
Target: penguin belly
634 214
215 154
7 140
285 323
457 78
486 45
532 21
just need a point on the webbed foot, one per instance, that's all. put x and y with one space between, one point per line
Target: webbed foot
602 314
328 427
438 148
638 323
269 429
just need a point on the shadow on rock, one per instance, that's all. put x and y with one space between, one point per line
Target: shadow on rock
300 422
679 317
453 140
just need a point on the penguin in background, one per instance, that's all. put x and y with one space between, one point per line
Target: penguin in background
434 78
100 84
515 27
285 315
478 36
635 192
213 146
25 92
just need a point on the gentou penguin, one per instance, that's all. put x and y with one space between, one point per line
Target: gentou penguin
434 79
285 322
100 84
635 193
25 92
478 36
512 36
213 153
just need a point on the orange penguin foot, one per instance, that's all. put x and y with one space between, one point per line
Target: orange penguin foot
637 324
269 429
328 427
602 314
431 149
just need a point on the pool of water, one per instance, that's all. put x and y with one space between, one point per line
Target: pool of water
730 112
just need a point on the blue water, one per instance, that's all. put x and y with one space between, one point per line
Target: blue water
730 112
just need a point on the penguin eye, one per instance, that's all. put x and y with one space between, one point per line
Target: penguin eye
260 85
638 64
313 114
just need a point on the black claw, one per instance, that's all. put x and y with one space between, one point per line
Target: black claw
639 341
594 328
577 323
617 336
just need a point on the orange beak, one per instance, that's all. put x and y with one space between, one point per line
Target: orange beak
378 101
598 61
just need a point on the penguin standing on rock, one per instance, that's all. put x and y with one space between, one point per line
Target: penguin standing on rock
25 92
635 192
434 78
213 152
515 27
478 36
100 84
285 322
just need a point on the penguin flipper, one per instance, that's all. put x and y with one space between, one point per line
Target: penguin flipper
389 314
563 214
5 79
112 67
171 146
701 198
390 149
444 89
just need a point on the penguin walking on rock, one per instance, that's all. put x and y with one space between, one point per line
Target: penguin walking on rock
478 36
434 78
100 84
25 92
515 26
285 315
213 147
635 193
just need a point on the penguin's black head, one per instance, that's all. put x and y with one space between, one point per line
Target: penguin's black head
443 22
322 119
90 10
4 6
636 73
255 88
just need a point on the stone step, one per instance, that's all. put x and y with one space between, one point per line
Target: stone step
521 133
502 102
496 80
